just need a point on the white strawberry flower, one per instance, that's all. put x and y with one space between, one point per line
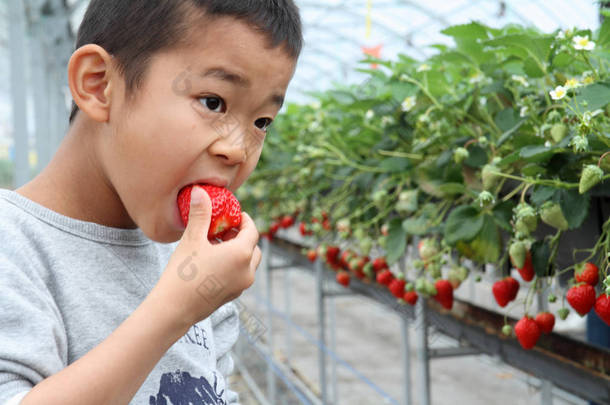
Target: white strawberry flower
561 35
559 93
408 103
572 83
387 120
478 77
524 111
547 144
369 115
521 80
423 68
582 43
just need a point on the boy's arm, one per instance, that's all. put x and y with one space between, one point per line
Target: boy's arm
113 371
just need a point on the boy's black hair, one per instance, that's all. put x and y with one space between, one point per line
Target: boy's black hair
134 30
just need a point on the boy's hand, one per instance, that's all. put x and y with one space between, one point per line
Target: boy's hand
202 275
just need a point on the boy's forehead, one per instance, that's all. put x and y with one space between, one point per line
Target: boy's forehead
229 49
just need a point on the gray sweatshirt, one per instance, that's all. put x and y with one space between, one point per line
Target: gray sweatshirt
66 285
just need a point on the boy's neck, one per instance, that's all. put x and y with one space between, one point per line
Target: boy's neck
75 185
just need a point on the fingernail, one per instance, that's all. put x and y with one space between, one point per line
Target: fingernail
196 195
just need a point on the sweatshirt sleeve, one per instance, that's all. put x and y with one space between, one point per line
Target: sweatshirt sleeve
225 326
33 342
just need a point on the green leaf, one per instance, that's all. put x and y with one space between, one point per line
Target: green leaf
592 97
463 224
503 213
575 207
397 241
486 247
450 189
472 30
562 60
506 119
416 226
536 153
542 194
604 33
537 47
395 164
541 253
532 68
477 157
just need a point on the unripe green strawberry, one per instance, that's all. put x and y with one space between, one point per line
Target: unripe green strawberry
489 176
379 197
418 264
551 214
420 285
591 175
558 132
427 249
409 287
407 202
365 246
563 313
526 219
460 154
507 330
552 298
382 241
434 270
517 252
430 288
360 234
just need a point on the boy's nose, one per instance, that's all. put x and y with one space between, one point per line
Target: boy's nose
230 148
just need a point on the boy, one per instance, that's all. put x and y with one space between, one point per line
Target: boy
105 297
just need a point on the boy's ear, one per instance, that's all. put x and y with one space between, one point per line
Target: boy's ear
91 78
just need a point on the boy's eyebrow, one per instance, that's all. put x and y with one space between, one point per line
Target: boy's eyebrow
224 74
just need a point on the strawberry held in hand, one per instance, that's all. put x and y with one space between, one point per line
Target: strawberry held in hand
226 211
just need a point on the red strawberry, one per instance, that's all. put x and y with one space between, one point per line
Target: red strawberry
588 273
502 291
514 287
331 254
602 308
527 271
545 321
312 255
304 230
226 211
444 293
345 257
397 287
343 278
527 331
410 297
326 225
582 298
505 290
385 277
379 264
286 221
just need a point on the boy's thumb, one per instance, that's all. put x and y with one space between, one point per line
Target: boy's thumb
200 213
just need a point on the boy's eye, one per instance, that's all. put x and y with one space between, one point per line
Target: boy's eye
263 123
215 104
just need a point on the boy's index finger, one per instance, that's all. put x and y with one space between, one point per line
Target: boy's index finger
247 230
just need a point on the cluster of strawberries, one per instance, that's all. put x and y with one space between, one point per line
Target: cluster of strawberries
581 297
348 263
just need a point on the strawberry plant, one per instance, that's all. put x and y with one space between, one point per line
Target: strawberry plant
470 151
